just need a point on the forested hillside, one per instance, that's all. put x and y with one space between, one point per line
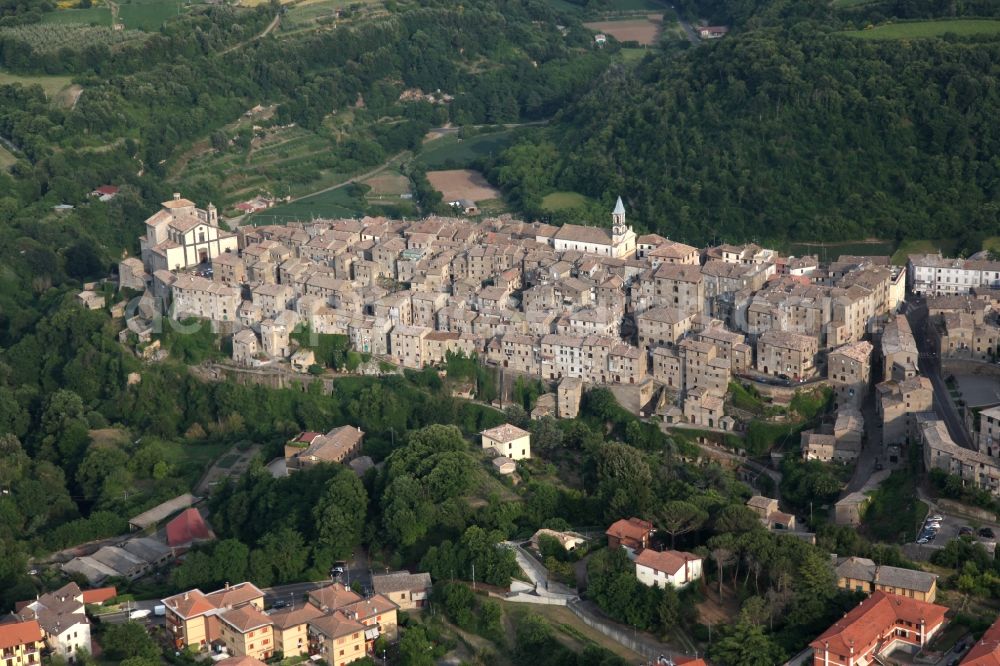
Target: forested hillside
786 129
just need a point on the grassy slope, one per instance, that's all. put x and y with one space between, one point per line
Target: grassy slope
563 200
51 84
96 15
449 149
919 29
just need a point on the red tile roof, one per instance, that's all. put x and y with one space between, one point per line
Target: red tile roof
873 617
107 189
635 529
667 561
235 595
187 527
99 595
19 633
986 651
189 604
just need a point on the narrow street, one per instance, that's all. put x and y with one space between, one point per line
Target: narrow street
930 367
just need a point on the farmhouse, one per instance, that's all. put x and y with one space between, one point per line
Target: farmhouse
508 440
669 567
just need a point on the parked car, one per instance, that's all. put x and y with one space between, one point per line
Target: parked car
922 540
965 530
936 517
280 604
987 533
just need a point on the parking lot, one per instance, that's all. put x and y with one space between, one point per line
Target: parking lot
950 528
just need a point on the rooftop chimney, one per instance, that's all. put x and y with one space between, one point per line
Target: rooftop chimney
177 195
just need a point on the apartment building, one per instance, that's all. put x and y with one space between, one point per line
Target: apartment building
874 629
663 326
849 370
860 574
192 616
195 296
678 286
989 431
934 275
407 590
959 336
20 643
898 403
785 353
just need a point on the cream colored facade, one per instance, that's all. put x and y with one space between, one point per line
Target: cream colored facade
181 235
849 370
21 643
508 440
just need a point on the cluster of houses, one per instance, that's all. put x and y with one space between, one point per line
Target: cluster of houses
897 617
55 622
336 625
541 300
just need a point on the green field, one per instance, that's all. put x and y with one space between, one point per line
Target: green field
563 200
92 15
924 29
333 204
454 153
843 4
634 5
149 15
908 247
630 55
50 84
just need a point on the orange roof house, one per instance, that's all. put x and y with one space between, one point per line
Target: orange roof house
876 627
632 534
99 595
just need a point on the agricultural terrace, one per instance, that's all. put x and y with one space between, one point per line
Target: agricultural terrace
49 38
645 31
927 29
457 184
149 15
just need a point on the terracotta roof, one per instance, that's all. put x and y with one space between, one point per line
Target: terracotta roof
335 625
667 561
631 528
234 595
19 633
874 616
370 607
292 617
245 618
505 433
189 604
333 596
99 595
187 527
334 445
985 651
576 233
178 203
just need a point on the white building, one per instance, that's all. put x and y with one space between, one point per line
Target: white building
674 567
620 243
181 235
508 440
62 619
936 275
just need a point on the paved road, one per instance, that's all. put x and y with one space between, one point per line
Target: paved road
930 367
688 30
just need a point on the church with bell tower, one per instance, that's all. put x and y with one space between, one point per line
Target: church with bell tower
622 236
595 240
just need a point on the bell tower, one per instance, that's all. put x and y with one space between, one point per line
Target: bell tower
618 228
